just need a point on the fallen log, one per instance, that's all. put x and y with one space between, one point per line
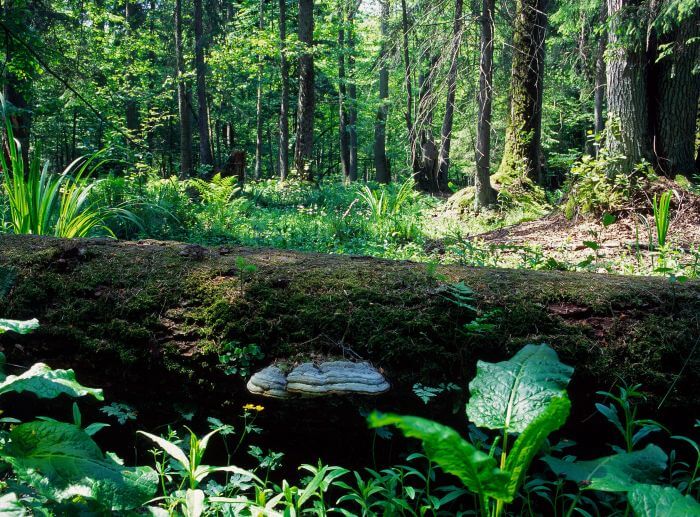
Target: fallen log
153 322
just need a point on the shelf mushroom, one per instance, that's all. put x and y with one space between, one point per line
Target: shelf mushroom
269 382
336 378
311 380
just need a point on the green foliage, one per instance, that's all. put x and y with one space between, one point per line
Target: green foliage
529 397
510 395
662 213
616 473
476 470
661 501
46 383
61 462
20 327
236 359
44 203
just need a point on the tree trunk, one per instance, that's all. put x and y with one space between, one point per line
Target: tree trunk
352 94
303 152
182 98
16 91
284 94
381 165
628 113
446 132
344 137
522 156
133 21
674 90
205 155
258 105
407 79
599 87
425 155
141 318
485 195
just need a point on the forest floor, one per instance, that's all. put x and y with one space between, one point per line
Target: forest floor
627 245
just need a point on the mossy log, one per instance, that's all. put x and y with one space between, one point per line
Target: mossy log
148 321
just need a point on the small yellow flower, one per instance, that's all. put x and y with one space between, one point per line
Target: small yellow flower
253 407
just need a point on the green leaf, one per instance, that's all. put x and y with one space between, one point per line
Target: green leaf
511 394
662 501
173 450
616 473
531 440
46 383
21 327
443 445
60 461
11 507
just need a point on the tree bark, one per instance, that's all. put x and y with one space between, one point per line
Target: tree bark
425 154
485 195
205 154
447 121
600 82
381 165
303 152
628 112
284 94
522 156
407 78
258 104
675 90
352 93
344 137
182 98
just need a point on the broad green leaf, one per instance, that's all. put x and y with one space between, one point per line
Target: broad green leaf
46 383
194 503
60 461
662 501
531 440
21 327
443 445
11 507
511 394
173 450
616 473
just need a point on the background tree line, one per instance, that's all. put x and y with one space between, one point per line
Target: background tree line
452 92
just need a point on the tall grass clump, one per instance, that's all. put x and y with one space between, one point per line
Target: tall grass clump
662 216
44 203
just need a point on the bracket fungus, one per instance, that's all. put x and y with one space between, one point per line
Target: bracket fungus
311 380
269 382
336 378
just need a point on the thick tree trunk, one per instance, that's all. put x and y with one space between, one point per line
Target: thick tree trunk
303 152
446 132
205 154
485 195
142 318
628 112
259 101
344 137
381 165
182 98
284 94
522 156
674 90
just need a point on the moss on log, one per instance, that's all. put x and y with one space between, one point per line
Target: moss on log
148 320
